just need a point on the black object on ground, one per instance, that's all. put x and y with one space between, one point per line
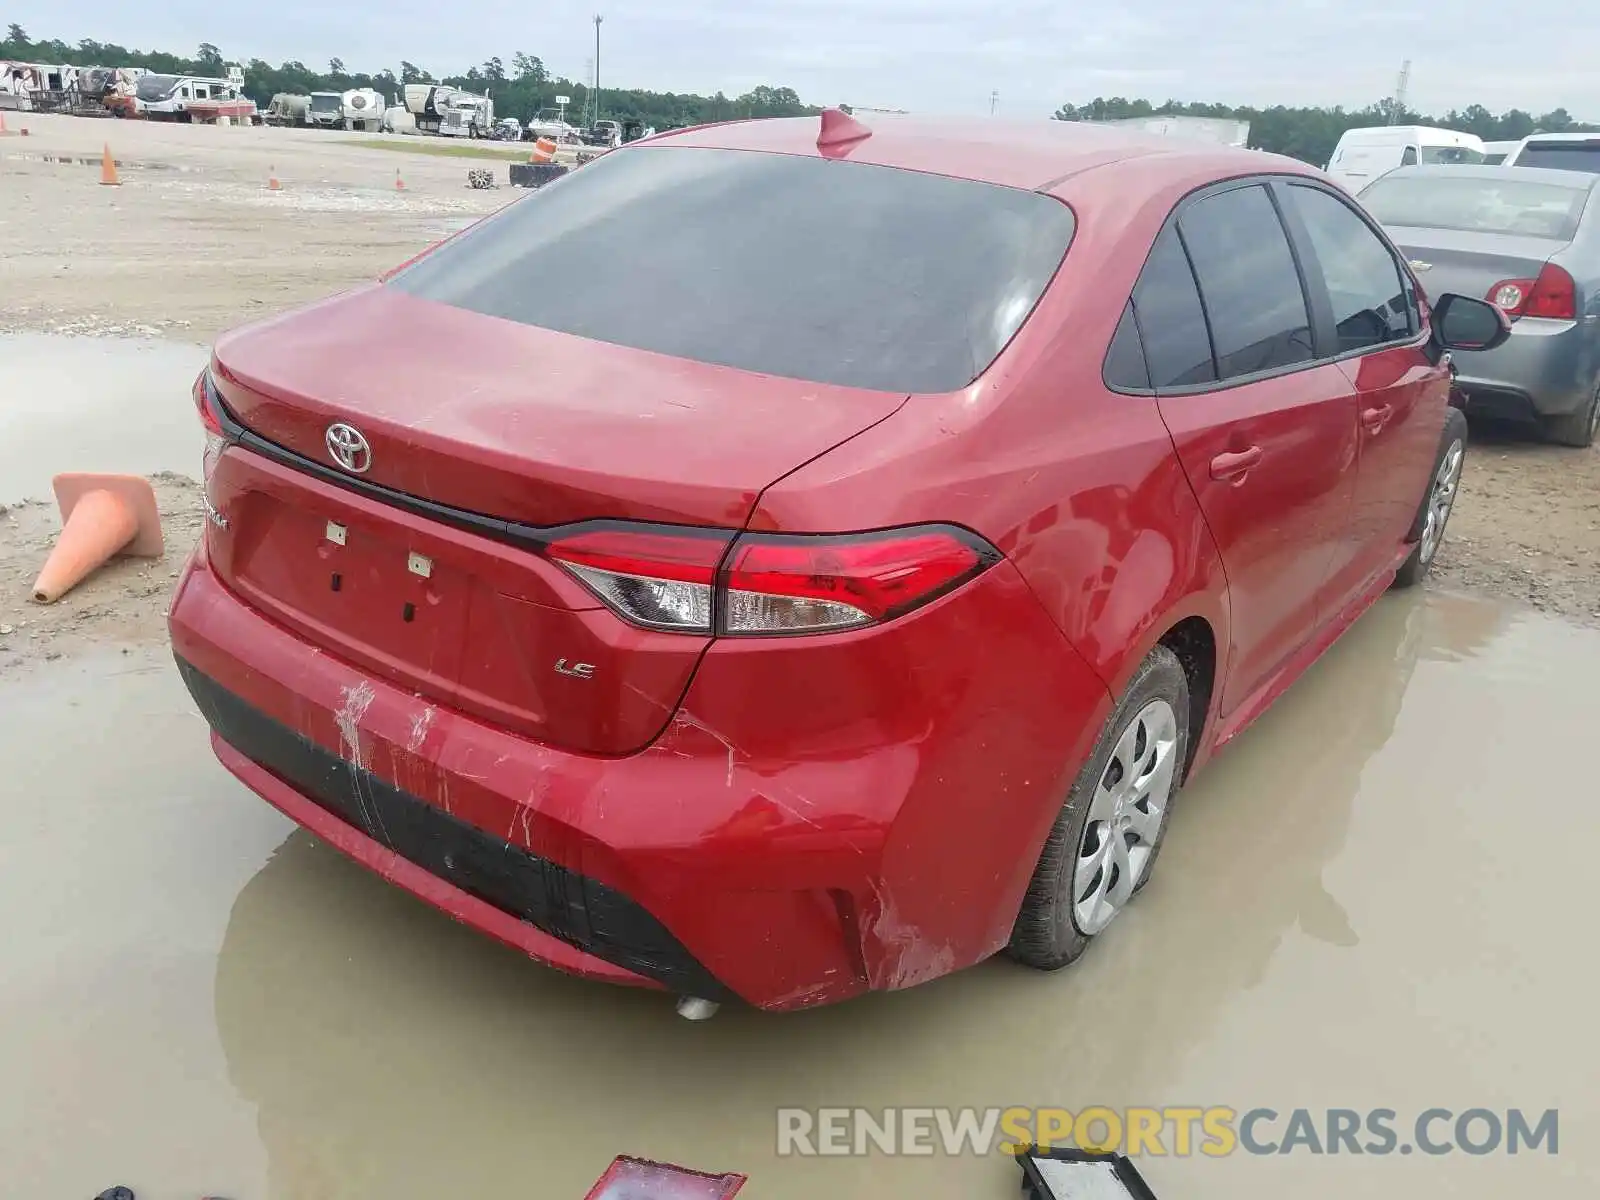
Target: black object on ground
534 175
116 1193
1061 1174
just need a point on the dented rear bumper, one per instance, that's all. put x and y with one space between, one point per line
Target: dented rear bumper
822 816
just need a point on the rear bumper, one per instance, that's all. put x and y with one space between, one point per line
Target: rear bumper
788 841
1545 368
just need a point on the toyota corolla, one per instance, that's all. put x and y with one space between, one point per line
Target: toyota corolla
787 559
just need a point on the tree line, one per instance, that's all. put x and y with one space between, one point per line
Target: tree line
521 90
1310 134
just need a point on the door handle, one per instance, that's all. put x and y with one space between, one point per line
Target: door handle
1234 465
1376 418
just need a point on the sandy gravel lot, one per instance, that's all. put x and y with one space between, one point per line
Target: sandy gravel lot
194 242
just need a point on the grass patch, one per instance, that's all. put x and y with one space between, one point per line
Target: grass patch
400 143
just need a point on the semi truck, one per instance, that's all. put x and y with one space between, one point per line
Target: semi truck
449 111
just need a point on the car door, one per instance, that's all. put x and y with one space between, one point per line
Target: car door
1265 431
1381 346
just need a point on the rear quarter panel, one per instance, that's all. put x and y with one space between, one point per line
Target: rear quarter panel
1078 486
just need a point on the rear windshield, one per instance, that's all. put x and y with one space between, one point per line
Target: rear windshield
1562 156
1476 203
816 269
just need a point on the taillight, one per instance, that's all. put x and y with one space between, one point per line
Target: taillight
770 583
661 580
1553 295
216 440
803 583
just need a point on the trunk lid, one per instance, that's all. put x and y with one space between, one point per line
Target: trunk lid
1470 264
509 421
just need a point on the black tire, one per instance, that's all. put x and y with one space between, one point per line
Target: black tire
1420 560
1046 935
1580 429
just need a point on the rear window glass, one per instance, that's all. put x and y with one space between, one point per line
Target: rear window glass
1562 156
815 269
1475 203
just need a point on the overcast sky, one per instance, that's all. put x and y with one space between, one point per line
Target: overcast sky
924 55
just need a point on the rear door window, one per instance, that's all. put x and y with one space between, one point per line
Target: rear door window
823 270
1248 282
1125 368
1176 343
1370 295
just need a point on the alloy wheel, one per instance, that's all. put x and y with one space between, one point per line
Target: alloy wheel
1125 817
1441 499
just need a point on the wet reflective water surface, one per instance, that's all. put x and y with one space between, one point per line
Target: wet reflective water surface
1377 897
94 404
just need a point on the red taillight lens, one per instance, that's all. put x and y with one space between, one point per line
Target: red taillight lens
772 583
202 404
1553 295
656 579
216 439
797 584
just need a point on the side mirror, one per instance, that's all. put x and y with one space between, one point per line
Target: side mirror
1462 323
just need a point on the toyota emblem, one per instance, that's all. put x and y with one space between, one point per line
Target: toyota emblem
348 447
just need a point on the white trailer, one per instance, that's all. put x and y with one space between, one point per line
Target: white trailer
167 97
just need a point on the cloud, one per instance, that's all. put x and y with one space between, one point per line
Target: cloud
925 55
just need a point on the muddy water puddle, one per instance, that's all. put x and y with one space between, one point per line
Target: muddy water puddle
94 404
1377 898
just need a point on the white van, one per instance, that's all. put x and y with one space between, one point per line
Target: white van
1364 154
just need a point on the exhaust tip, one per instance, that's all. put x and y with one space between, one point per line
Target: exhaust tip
693 1008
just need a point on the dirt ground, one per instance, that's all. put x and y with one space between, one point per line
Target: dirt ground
194 242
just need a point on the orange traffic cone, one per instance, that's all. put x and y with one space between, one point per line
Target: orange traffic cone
108 169
399 184
101 516
272 180
3 129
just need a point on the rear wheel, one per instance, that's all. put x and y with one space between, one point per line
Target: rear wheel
1104 843
1439 501
1579 429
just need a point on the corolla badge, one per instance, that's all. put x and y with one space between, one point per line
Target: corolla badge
348 447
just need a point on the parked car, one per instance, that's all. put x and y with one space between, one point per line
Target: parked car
1558 151
1496 153
887 533
1362 155
1529 240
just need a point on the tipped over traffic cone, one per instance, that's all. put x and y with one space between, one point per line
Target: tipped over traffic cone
272 180
399 184
101 516
108 169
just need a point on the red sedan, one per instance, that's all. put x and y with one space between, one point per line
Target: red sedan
783 560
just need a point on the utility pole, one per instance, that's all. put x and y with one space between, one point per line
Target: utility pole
597 19
994 102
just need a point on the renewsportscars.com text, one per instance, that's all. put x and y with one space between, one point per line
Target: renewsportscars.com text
1176 1131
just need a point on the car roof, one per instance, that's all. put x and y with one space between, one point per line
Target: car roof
1577 181
1024 154
1592 136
